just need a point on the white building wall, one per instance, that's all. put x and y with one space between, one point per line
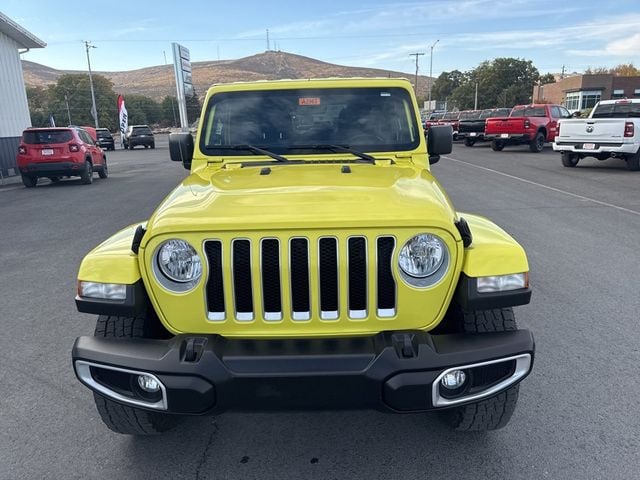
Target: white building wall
14 110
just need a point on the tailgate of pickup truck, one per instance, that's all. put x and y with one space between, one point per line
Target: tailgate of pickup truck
592 130
496 126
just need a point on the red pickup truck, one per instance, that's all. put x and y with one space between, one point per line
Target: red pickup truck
530 124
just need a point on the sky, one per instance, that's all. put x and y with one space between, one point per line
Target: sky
576 34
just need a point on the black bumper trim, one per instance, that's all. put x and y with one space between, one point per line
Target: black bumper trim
317 374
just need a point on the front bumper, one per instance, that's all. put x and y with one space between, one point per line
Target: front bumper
391 371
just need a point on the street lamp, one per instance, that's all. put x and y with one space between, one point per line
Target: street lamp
431 71
94 111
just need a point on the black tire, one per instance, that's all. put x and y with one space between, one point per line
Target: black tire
29 181
497 145
569 160
491 413
87 176
153 145
536 145
104 171
122 418
469 142
633 162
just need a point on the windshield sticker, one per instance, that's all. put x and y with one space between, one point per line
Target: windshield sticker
385 94
309 101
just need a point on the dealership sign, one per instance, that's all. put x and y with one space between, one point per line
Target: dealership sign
184 80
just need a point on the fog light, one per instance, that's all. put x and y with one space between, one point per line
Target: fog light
148 383
454 379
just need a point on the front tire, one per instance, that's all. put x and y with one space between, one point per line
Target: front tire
104 171
122 418
569 160
491 413
537 144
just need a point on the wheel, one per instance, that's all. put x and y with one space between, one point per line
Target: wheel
569 159
104 171
87 175
537 144
633 162
497 145
29 181
122 418
491 413
469 142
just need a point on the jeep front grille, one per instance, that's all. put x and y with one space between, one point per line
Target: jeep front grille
311 269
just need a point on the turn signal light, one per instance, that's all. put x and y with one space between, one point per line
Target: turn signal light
628 129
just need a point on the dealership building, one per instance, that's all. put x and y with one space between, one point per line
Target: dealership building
14 109
580 92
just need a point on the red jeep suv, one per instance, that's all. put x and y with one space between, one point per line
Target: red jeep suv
59 152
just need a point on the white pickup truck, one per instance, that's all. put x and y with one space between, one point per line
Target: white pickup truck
612 130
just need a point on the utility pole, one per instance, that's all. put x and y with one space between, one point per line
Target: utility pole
94 111
417 54
475 103
431 71
66 99
562 74
268 44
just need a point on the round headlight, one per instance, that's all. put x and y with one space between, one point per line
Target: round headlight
422 255
179 262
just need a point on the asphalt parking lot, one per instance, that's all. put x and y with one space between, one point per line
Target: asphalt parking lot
578 415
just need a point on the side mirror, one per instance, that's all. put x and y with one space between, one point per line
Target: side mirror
439 141
181 148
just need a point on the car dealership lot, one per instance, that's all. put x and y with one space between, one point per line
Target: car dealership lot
577 417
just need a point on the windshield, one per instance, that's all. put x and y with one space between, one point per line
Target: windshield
46 136
500 112
103 133
370 119
469 115
451 116
617 110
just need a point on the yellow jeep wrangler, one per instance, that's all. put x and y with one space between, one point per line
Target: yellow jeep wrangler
309 261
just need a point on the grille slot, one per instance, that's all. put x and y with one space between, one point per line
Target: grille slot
215 288
297 279
299 270
357 274
328 272
386 301
242 290
270 270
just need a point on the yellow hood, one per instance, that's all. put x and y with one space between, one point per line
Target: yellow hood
299 196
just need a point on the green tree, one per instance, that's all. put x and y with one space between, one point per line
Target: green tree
546 79
38 99
170 115
193 107
446 83
74 90
505 82
142 110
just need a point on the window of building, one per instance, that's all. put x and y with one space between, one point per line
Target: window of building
618 93
572 101
636 92
590 98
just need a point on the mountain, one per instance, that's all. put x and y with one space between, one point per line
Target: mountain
157 82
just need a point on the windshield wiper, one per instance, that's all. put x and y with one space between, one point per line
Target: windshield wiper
254 149
334 148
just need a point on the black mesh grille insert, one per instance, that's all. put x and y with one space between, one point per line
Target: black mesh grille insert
270 266
386 283
357 273
328 266
215 290
299 275
242 276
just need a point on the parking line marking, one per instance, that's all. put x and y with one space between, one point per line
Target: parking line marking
575 195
